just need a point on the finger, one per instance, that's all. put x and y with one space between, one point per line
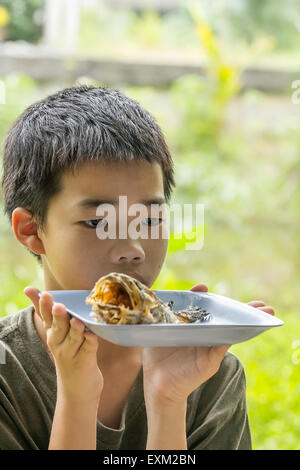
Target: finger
199 288
268 309
90 344
33 294
256 303
75 336
60 323
45 307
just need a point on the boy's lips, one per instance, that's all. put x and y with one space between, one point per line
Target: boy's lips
136 276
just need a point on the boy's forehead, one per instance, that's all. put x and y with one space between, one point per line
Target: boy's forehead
139 179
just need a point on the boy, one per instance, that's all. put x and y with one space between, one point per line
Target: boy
62 387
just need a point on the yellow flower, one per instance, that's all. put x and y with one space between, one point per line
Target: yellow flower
4 16
208 39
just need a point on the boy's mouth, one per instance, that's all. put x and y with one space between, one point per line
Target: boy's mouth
136 276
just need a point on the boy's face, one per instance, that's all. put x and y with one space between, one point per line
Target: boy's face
74 257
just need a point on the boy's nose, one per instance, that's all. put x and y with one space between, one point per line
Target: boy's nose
128 254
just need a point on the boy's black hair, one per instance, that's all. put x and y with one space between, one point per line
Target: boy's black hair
69 128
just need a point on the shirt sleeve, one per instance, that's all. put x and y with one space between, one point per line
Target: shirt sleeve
219 418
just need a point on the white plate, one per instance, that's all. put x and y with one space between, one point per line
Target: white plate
232 321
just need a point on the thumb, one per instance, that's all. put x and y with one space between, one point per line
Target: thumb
199 288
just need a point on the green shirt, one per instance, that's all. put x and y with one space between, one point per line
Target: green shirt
216 411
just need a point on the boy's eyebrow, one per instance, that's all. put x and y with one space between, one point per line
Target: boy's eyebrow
91 203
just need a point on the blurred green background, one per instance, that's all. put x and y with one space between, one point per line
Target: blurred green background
236 151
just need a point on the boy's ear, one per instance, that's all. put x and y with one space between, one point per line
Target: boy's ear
26 230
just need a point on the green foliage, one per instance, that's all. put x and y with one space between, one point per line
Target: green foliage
147 29
269 17
105 29
203 101
249 28
272 368
24 20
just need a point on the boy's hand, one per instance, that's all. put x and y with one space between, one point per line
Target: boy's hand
172 373
73 348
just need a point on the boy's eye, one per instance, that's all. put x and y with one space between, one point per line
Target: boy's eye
151 221
93 223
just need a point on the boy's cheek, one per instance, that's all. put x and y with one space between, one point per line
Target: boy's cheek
67 267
